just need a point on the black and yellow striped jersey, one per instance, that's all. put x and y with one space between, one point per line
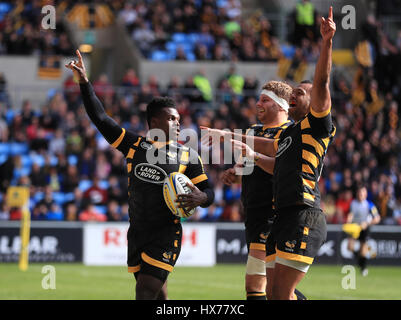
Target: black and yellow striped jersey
299 160
148 163
257 187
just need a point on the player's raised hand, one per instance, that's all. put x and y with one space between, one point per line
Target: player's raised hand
78 68
210 136
229 177
328 26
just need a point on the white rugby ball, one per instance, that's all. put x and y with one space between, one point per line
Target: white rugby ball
174 184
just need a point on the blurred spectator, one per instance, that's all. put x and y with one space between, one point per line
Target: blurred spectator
201 82
57 143
130 79
144 37
103 88
210 214
304 17
71 178
71 212
4 211
113 211
91 214
46 207
96 194
114 191
37 176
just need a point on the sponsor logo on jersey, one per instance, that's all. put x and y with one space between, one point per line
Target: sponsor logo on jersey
263 236
167 256
290 245
283 145
150 173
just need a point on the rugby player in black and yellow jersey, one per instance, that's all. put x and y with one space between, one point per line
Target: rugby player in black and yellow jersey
154 234
296 162
257 188
299 229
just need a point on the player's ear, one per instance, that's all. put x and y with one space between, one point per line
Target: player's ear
154 122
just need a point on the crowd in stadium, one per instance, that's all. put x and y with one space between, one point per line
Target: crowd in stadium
21 34
212 30
73 174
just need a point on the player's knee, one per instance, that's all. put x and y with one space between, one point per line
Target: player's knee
145 292
148 288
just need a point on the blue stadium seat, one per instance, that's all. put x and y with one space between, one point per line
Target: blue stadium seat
3 158
20 172
159 55
179 38
38 196
58 216
193 38
5 148
101 209
190 56
104 184
69 196
72 160
17 148
53 161
288 51
186 46
59 197
84 185
171 47
39 159
26 161
10 114
221 3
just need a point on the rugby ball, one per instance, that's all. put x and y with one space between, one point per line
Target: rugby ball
173 185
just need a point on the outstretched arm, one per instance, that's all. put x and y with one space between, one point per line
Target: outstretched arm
264 162
260 144
106 125
320 97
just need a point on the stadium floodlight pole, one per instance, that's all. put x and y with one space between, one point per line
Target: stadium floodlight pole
19 197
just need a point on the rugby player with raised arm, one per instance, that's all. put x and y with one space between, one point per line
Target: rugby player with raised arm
296 162
154 234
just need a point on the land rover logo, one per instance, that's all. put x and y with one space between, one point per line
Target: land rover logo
283 146
146 145
150 173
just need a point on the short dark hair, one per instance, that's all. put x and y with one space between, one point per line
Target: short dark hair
156 105
306 81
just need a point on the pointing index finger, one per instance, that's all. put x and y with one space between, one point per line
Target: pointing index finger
330 13
79 56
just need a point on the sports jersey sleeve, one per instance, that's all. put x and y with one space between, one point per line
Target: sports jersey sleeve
111 131
196 172
321 123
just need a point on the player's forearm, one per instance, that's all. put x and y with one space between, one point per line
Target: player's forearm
264 146
207 189
320 97
265 163
323 65
258 144
94 108
209 197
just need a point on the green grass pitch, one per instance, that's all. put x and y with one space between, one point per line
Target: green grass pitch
222 282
